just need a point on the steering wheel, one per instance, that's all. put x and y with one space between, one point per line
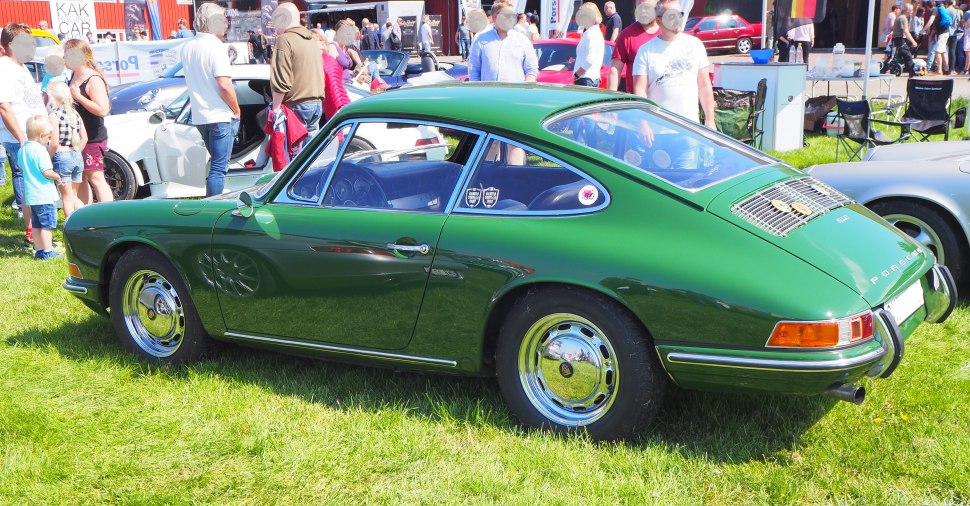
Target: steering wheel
355 187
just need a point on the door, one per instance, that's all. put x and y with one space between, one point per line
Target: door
348 264
708 33
730 31
179 148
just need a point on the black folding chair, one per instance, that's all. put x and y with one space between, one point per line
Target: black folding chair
756 131
859 134
928 108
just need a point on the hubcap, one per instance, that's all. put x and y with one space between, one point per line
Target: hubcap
153 313
744 46
920 232
568 370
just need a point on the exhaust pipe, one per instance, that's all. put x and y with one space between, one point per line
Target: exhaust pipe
848 393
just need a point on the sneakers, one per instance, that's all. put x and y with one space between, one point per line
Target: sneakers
28 244
47 255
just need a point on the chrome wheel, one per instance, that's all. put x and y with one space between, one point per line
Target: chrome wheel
920 231
153 313
744 45
568 370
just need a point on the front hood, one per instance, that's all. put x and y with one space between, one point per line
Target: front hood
831 233
921 151
129 132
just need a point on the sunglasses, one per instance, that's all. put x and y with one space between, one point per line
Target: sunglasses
670 14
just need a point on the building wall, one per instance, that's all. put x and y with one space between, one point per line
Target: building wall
109 15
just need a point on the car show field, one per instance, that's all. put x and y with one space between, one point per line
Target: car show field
81 420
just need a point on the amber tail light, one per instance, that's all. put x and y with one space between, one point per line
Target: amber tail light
822 334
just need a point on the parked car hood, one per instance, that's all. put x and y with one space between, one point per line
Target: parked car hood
150 95
923 151
849 242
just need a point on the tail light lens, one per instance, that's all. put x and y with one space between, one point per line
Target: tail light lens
427 142
822 334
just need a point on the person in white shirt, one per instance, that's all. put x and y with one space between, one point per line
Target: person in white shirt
672 69
426 35
215 110
803 36
502 54
589 51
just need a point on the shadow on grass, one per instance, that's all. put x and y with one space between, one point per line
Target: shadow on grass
718 427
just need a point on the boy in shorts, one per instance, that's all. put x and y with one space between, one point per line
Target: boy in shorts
39 180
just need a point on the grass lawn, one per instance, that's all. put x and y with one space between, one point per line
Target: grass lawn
82 422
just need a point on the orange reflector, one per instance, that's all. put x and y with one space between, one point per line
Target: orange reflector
822 334
805 335
73 271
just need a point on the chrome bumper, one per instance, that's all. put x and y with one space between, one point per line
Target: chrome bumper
941 296
72 287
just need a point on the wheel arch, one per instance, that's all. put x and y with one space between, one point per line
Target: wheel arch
504 301
957 220
136 167
117 250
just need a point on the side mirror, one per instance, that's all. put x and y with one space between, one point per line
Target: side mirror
245 205
157 118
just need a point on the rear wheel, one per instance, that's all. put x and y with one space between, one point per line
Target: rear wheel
744 45
573 361
927 227
152 311
120 176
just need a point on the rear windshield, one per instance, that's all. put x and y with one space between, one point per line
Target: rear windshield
680 152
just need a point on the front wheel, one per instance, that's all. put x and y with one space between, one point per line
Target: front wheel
152 311
928 228
574 361
744 45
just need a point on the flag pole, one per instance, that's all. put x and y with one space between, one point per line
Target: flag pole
868 53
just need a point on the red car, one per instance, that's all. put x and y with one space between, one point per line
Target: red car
557 57
726 32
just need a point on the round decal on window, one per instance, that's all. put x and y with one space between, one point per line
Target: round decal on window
588 195
633 158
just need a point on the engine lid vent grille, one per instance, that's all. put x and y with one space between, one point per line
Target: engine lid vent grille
790 204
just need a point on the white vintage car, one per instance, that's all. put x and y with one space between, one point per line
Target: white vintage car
161 154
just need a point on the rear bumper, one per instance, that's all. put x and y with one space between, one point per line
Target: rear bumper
89 292
811 371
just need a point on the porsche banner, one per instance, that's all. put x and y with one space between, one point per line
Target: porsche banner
555 18
130 62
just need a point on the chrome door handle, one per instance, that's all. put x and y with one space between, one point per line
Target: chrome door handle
420 248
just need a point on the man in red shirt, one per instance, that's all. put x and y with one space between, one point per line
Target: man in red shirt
629 42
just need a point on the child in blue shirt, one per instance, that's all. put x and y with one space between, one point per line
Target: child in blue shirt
39 180
54 71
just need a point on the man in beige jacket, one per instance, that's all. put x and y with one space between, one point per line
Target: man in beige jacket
296 71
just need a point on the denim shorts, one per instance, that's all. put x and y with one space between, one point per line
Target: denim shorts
69 165
44 216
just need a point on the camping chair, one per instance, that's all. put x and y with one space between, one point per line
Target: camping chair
856 116
756 132
927 109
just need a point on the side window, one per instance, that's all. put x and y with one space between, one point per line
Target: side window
402 166
512 179
308 186
729 23
707 25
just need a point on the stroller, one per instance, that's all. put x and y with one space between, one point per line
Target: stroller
893 63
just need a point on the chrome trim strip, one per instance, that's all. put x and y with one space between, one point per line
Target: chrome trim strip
344 349
67 285
775 364
460 210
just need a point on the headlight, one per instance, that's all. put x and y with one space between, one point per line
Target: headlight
148 97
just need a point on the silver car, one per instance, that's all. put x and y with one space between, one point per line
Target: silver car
923 189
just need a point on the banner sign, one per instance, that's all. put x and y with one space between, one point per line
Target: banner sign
134 19
555 18
409 28
436 38
73 18
130 62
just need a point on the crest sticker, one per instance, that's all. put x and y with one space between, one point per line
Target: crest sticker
473 196
781 205
490 197
588 195
633 158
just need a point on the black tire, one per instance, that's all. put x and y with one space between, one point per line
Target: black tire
928 227
627 377
120 176
895 69
144 275
743 45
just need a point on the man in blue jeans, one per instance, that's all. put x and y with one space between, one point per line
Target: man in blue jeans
296 74
215 110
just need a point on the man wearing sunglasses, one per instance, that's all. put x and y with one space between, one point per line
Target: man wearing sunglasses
672 69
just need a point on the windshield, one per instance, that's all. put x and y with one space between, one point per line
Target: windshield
691 23
558 57
387 61
682 153
173 109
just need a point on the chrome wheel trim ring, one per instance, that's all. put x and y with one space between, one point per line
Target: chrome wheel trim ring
744 46
153 313
567 369
920 232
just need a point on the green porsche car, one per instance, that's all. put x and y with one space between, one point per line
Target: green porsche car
585 247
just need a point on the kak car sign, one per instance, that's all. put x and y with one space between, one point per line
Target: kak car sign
73 18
